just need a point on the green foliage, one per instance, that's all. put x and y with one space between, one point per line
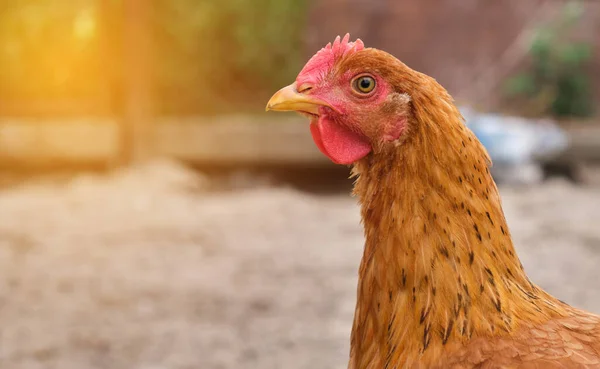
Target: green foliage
556 83
211 56
216 56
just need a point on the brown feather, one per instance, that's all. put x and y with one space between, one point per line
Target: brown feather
441 285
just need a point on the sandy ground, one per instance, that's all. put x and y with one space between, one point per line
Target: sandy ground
145 269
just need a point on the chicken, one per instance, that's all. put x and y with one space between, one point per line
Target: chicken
440 284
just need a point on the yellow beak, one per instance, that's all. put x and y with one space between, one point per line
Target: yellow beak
289 99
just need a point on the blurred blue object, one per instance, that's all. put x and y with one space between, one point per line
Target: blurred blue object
514 140
515 143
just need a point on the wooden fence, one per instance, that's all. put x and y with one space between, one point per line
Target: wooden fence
272 140
225 141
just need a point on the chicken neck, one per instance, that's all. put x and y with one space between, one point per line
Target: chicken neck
439 265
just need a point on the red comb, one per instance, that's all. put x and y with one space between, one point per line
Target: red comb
325 58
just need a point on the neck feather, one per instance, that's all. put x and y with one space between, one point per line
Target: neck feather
439 264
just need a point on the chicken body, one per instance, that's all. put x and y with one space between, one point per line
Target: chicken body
440 284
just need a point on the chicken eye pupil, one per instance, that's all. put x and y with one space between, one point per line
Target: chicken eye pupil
365 84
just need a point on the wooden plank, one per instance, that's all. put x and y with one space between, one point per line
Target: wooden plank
137 76
584 140
239 140
275 139
33 142
219 141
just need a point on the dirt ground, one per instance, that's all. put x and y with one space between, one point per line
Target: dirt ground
148 269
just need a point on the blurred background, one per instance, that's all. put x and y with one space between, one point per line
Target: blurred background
153 216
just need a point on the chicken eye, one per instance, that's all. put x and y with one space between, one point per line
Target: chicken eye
364 84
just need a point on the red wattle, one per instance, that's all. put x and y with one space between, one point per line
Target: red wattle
338 143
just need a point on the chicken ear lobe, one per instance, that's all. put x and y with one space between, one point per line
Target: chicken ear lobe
396 105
